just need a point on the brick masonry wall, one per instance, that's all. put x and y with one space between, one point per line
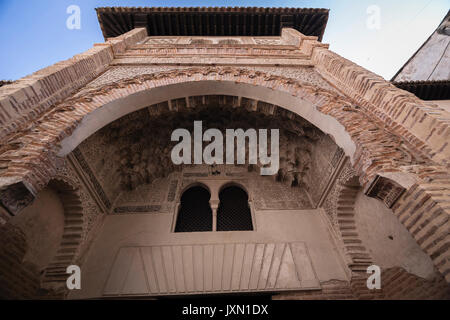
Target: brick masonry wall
399 284
61 122
378 150
22 280
396 284
424 210
426 127
394 132
18 280
331 290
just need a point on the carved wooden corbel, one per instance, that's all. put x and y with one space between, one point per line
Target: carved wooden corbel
385 190
15 197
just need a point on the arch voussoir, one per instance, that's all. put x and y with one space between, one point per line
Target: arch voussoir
375 151
424 211
55 273
34 160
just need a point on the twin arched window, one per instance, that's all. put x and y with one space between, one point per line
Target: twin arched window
195 213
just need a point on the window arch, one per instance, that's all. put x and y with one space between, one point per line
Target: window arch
234 211
195 213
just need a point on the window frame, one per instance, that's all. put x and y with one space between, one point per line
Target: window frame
178 207
238 186
214 186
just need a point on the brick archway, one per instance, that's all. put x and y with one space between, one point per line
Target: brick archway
386 164
24 280
55 273
359 259
397 283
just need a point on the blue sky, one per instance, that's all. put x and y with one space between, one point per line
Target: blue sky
34 33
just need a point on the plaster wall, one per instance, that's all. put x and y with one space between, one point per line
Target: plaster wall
120 231
43 224
387 240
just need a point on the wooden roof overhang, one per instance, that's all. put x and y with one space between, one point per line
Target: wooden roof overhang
427 90
212 21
